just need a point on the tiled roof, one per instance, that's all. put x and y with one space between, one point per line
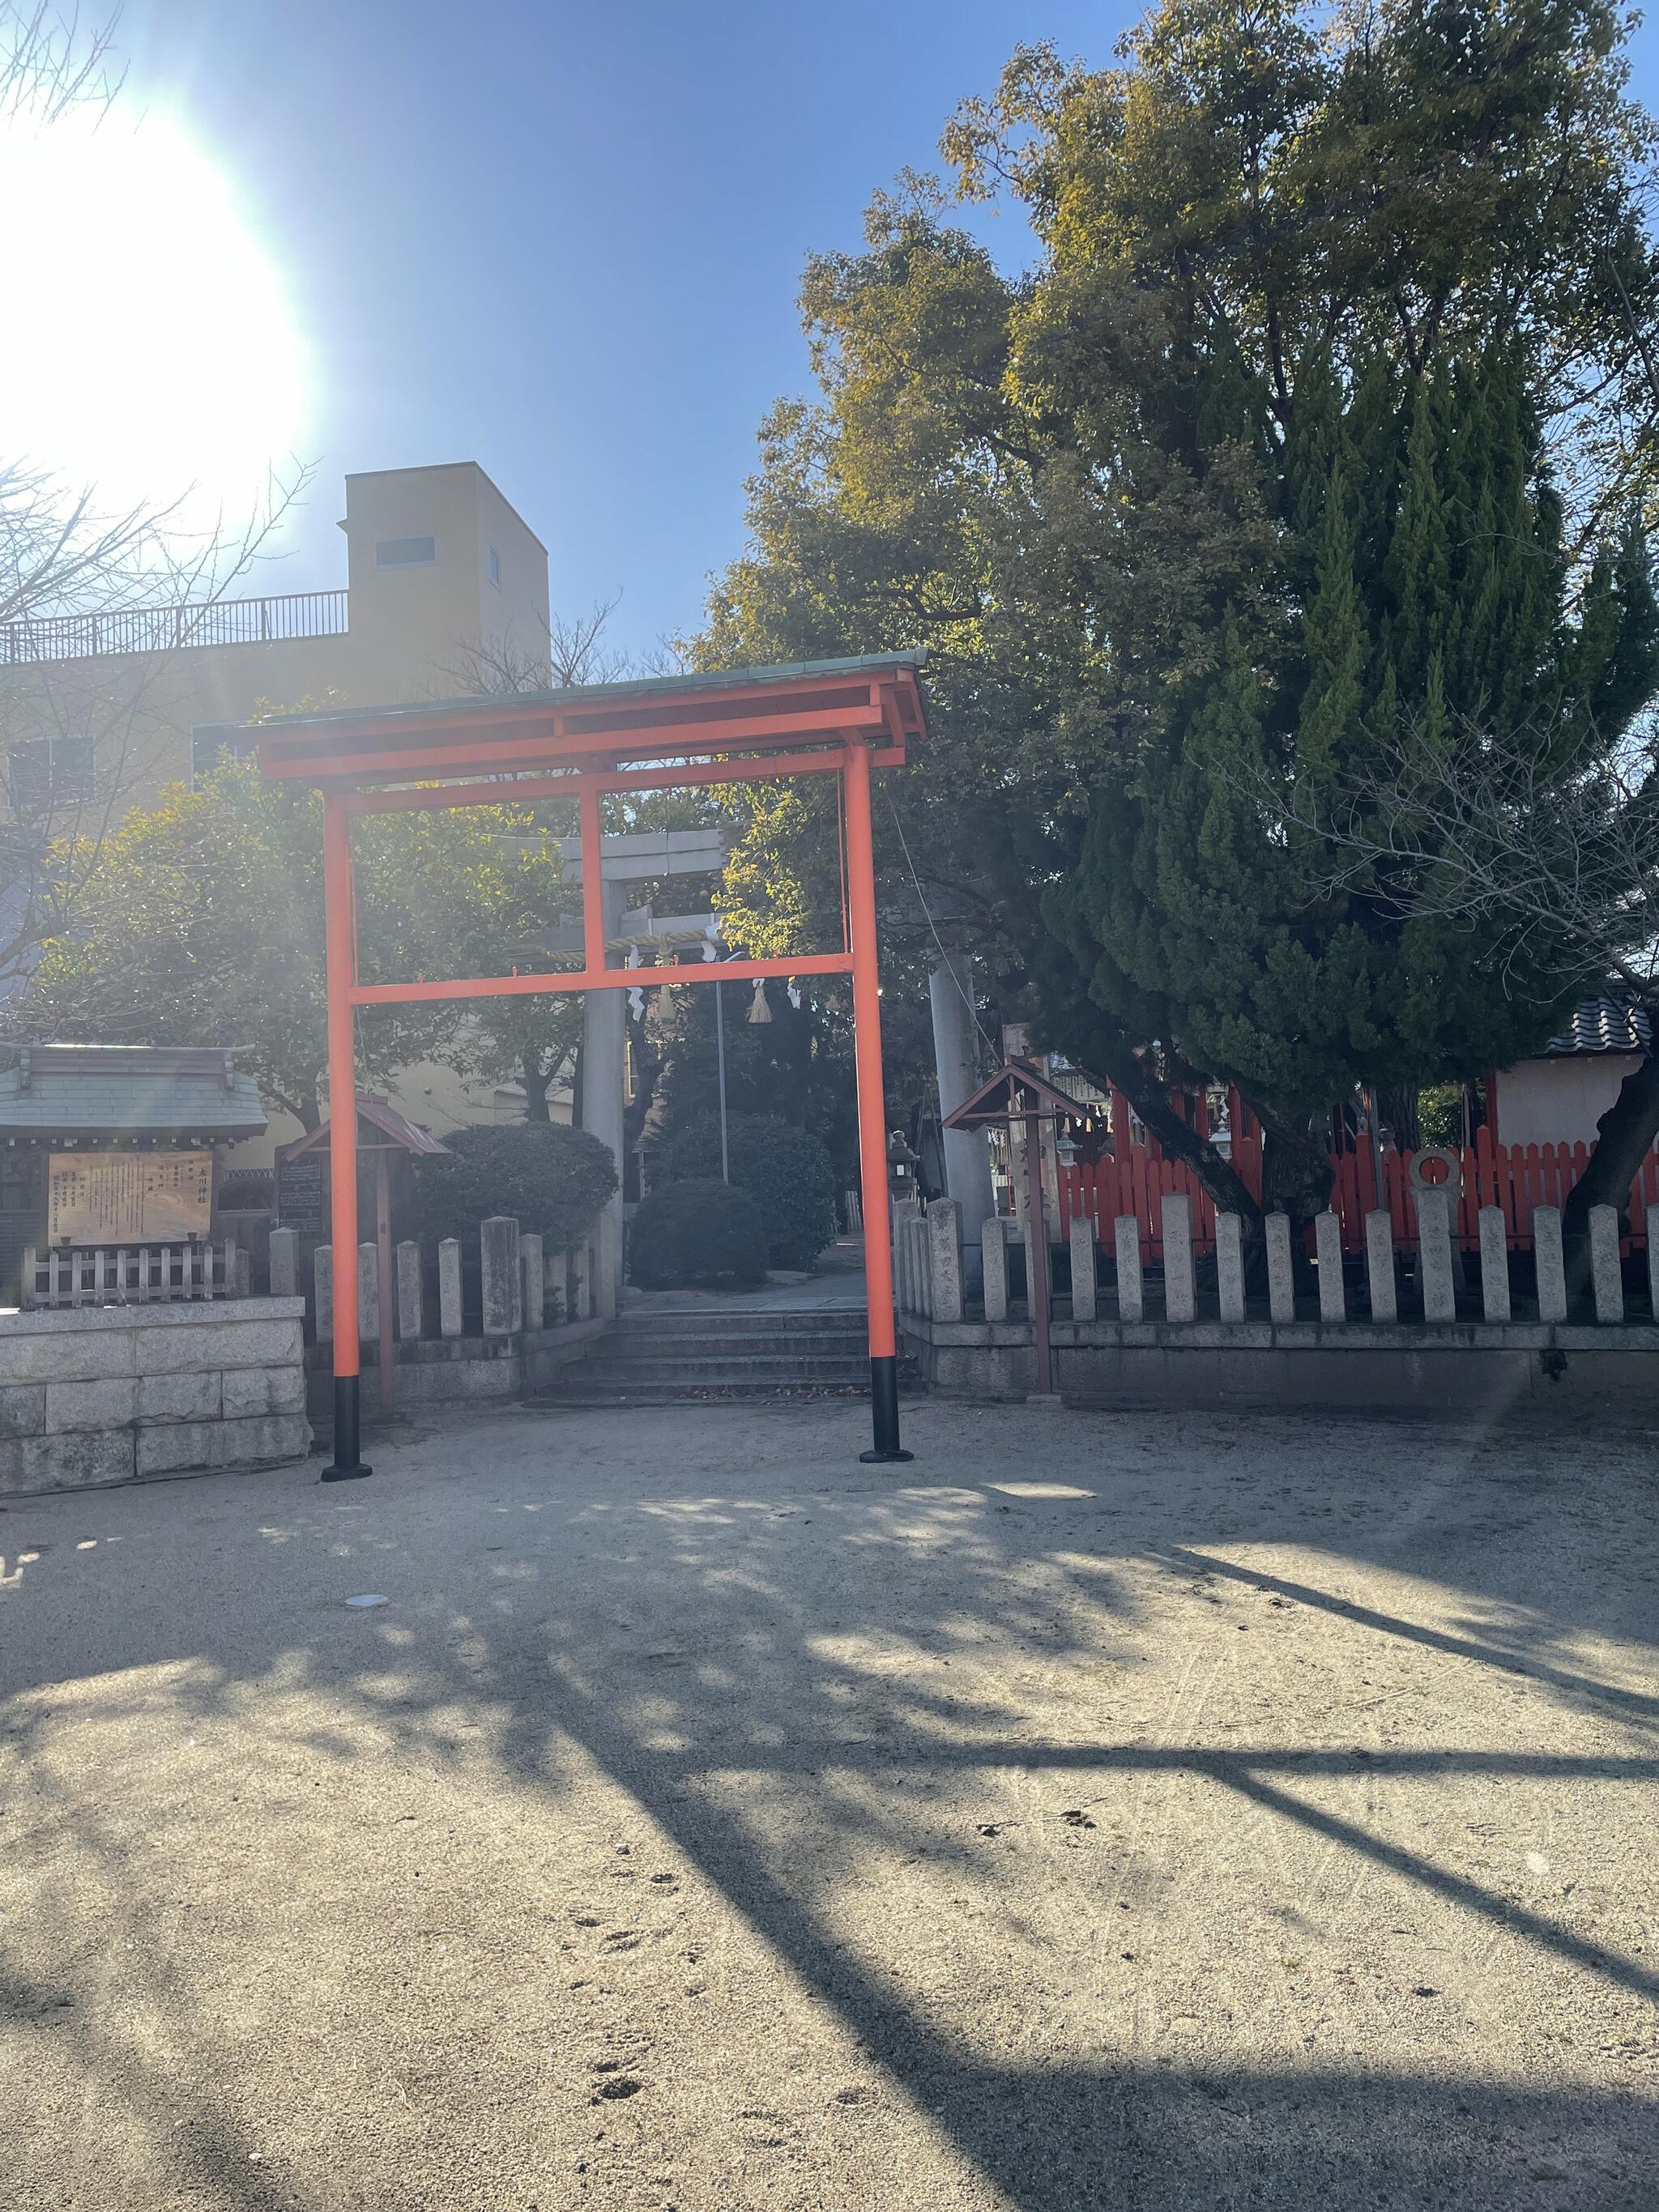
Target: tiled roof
1603 1024
127 1091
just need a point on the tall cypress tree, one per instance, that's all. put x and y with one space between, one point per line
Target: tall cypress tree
1424 581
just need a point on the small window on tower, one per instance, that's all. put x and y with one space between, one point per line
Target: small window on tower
494 567
405 552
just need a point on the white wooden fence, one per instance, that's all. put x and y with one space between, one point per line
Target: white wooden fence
132 1274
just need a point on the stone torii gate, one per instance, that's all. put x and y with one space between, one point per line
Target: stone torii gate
840 718
636 856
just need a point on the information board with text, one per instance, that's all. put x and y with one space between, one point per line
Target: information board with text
129 1198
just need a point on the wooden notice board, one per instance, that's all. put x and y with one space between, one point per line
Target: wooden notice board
129 1198
302 1197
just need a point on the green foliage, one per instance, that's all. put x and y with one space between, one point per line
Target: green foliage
701 1231
553 1179
787 1171
1445 594
1264 459
204 926
1440 1113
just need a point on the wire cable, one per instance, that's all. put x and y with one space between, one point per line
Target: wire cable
965 995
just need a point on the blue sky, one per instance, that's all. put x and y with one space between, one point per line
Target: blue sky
564 241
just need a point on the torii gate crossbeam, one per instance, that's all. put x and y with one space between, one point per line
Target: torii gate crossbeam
840 717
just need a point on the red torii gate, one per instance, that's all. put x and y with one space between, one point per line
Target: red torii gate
754 726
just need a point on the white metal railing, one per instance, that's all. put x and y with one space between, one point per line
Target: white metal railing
130 1274
165 629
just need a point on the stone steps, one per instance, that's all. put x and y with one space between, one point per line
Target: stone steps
728 1365
657 1359
683 1394
828 1321
804 1345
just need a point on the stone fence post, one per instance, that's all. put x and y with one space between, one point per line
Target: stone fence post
322 1276
1083 1267
945 1258
1281 1269
533 1267
1434 1255
1229 1265
1549 1259
1131 1281
368 1294
450 1312
1180 1291
498 1254
1494 1264
994 1247
1606 1279
409 1316
904 1211
1379 1265
284 1263
1328 1245
915 1236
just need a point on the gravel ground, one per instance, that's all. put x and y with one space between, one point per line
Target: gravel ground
1151 1812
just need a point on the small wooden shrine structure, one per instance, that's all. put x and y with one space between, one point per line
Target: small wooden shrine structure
1019 1096
110 1160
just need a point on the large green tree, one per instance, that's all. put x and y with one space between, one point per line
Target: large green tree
1425 585
1323 404
206 927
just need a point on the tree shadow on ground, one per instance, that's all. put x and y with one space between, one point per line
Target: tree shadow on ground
812 1684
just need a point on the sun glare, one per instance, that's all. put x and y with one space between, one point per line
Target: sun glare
151 353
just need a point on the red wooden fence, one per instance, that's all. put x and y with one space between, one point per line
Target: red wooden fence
1517 1177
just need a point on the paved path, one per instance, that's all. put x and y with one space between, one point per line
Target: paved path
1151 1814
838 1285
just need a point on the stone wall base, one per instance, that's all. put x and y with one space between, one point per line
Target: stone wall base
106 1394
455 1370
1462 1371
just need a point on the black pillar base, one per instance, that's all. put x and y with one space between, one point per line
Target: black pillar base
348 1465
883 1415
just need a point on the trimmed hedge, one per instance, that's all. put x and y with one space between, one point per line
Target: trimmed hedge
786 1172
553 1179
695 1232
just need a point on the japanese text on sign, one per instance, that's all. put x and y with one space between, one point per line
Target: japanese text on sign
129 1198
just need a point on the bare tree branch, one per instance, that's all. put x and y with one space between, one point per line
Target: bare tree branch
1548 838
48 63
571 650
76 728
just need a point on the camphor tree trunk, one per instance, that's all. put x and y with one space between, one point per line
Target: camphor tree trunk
1398 1105
1149 1095
1296 1163
1624 1137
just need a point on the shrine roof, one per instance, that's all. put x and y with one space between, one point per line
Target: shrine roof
127 1091
625 688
